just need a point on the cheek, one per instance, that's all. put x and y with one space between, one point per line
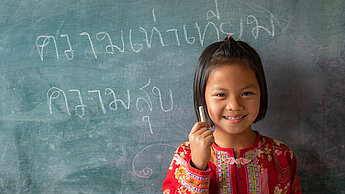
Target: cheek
255 106
213 109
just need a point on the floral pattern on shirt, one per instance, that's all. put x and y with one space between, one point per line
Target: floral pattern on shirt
272 169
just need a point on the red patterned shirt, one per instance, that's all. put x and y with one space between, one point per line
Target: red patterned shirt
268 166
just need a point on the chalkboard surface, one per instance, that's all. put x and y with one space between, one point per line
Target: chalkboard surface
97 95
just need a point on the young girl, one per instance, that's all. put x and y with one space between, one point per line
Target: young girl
229 82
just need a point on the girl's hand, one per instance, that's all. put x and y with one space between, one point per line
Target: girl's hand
201 140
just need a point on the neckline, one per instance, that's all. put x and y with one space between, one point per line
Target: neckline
241 151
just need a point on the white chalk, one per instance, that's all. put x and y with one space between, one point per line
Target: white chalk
202 114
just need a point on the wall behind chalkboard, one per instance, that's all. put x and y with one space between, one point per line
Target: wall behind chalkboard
97 95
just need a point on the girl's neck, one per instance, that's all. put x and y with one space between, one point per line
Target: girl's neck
235 141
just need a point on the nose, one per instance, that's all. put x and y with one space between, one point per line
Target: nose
234 104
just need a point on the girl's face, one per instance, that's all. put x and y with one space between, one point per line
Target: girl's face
232 97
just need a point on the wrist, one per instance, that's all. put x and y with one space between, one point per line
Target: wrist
199 166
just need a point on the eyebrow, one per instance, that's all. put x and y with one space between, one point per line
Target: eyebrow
247 87
250 86
218 88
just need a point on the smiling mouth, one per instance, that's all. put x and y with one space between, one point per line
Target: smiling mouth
235 118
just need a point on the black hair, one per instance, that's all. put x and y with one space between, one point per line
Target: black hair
226 52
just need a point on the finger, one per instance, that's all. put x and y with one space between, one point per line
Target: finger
201 132
210 139
204 140
204 132
209 136
201 135
198 125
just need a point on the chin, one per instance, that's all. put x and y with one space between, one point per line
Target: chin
234 131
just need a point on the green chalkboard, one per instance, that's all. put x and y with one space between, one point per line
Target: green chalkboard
97 95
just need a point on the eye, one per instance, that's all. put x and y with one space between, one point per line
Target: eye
220 95
247 93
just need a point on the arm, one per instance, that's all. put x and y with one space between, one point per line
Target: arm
182 177
295 185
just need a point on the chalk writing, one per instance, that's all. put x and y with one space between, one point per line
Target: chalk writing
46 41
213 27
101 36
188 39
70 52
210 13
146 118
202 37
101 103
146 172
154 29
81 105
54 93
147 101
143 103
255 31
176 35
157 92
90 41
113 104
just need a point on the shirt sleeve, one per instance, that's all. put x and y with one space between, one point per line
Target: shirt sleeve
182 177
295 184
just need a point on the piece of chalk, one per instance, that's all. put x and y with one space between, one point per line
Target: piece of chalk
202 114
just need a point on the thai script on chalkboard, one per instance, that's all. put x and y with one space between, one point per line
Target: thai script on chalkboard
251 21
141 102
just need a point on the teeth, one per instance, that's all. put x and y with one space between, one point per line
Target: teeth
235 118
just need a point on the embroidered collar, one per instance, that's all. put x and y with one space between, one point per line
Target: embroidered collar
241 151
233 160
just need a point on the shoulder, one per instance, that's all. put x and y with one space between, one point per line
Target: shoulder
275 143
184 150
181 157
277 148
